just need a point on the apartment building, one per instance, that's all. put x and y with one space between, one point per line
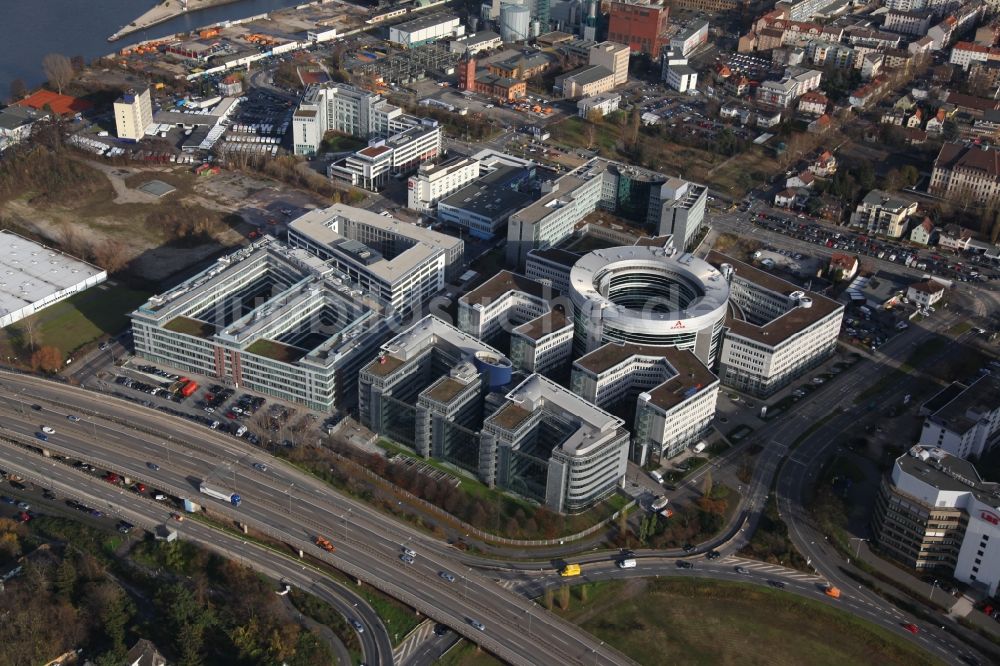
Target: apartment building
267 318
397 263
964 420
883 213
912 22
133 114
775 331
936 515
552 446
967 172
674 394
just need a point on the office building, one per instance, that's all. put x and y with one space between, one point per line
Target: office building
673 392
552 446
397 263
551 267
641 294
36 276
964 421
607 68
936 515
775 331
425 29
502 302
690 37
601 105
402 153
484 206
543 344
677 73
426 390
641 24
884 214
967 172
433 182
133 114
656 203
269 319
346 109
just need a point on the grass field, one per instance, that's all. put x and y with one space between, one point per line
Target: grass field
705 622
467 654
75 322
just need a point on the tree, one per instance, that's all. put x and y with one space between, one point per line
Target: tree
58 69
18 89
78 63
706 484
111 255
47 358
65 579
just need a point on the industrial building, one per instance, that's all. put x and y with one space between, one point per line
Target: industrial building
642 294
36 276
267 318
674 394
964 421
484 40
398 264
502 88
133 114
936 515
659 204
640 24
426 29
775 331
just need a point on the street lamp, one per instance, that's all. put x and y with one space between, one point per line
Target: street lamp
933 585
857 552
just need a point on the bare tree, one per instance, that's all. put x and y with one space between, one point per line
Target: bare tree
18 89
58 69
111 255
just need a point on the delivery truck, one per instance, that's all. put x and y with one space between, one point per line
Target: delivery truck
219 493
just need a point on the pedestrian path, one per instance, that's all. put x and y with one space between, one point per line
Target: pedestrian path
775 569
413 641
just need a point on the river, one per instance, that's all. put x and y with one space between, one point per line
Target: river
34 28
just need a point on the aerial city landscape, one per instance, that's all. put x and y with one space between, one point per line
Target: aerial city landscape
532 332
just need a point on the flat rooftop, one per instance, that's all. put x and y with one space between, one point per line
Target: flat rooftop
502 283
949 473
32 273
327 226
557 256
509 416
966 409
547 324
425 22
488 200
780 328
444 389
548 203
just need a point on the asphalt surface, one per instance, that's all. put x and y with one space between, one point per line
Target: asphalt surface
289 506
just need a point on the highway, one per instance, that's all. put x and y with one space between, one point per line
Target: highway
287 505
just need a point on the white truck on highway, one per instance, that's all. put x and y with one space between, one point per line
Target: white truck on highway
219 493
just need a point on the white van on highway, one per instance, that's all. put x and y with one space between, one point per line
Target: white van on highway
627 564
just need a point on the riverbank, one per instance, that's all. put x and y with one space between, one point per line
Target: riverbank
166 10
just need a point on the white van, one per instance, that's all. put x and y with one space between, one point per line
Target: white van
626 564
656 476
700 446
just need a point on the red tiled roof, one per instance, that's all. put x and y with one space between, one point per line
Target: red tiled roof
60 104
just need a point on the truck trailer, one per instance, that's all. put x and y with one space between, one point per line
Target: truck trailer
219 493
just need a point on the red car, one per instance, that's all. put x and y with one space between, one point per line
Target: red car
912 628
140 487
111 477
23 517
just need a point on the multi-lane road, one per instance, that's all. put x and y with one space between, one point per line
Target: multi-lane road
285 504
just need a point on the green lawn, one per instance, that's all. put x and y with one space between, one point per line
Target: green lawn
276 350
75 322
705 622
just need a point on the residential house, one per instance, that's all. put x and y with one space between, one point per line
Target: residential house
144 653
825 164
954 237
915 119
804 179
813 103
843 266
868 93
820 125
785 198
935 125
923 232
768 117
925 293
